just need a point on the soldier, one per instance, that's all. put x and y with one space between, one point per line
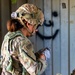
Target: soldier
17 50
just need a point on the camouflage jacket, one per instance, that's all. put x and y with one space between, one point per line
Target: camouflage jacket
18 56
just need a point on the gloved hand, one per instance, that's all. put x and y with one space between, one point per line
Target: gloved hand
47 54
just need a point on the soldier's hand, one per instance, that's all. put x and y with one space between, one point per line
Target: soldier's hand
43 57
47 54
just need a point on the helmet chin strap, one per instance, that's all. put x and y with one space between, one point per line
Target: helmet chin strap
28 30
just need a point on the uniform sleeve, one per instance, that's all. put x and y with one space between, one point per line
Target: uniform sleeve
29 62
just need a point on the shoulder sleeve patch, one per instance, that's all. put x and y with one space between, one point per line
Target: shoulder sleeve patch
28 45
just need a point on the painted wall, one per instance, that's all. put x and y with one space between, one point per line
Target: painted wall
62 15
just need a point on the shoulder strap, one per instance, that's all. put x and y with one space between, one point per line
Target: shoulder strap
19 34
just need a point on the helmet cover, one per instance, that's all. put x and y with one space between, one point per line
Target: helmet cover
30 13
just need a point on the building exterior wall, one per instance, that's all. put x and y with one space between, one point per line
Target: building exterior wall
62 15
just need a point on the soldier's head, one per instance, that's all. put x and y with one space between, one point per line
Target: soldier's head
29 14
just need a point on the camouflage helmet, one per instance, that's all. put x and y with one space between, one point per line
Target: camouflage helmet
30 13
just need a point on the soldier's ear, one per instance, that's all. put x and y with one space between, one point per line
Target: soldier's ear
27 24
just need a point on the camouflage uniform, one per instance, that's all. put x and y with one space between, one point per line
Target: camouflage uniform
17 50
18 56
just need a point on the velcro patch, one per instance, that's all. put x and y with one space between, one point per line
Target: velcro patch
29 45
